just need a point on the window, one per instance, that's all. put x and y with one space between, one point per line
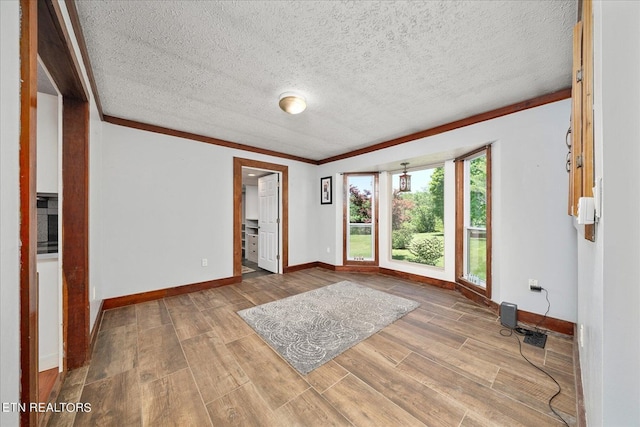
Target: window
417 218
473 220
361 219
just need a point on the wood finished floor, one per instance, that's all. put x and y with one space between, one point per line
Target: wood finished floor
192 361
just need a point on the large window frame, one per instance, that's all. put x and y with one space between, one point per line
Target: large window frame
462 201
413 258
346 260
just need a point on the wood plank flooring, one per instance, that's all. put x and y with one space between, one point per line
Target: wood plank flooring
191 360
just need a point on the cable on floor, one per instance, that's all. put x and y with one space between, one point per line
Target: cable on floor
521 331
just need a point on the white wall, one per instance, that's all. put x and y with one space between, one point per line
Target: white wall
9 208
167 203
48 313
49 290
609 295
251 202
533 237
47 157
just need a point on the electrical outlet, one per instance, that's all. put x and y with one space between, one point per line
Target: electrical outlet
328 250
581 336
205 262
533 285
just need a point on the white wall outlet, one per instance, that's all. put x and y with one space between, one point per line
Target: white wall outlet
205 262
533 283
328 250
93 293
581 336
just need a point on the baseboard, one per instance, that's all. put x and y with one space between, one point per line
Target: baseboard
96 328
550 323
125 300
326 266
294 268
476 297
417 278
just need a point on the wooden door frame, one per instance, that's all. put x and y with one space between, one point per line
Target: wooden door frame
43 32
238 164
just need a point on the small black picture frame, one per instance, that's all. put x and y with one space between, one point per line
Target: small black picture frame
326 191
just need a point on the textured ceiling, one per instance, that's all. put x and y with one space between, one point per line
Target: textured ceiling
371 71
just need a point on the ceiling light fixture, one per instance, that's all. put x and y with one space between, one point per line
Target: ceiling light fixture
292 103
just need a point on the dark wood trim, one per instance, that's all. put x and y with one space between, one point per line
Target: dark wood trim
476 296
75 229
56 51
345 204
470 153
445 284
125 300
77 29
550 323
326 266
298 267
489 238
459 215
581 413
493 114
489 115
201 138
366 268
96 328
471 286
28 221
238 164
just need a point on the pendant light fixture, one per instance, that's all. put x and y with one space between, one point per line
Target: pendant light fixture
405 180
292 103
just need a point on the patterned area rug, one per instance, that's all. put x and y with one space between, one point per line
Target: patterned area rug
311 328
246 269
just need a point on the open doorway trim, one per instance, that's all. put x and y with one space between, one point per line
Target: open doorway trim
44 33
238 164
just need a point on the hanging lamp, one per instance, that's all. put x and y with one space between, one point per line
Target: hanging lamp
405 180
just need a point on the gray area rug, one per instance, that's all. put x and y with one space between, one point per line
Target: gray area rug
311 328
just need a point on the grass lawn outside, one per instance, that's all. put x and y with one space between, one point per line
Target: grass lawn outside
478 257
360 246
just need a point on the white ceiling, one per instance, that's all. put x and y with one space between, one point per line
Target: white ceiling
371 71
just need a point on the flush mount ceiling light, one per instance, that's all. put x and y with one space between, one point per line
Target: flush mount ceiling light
292 103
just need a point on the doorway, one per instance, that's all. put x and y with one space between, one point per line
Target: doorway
260 222
43 33
246 217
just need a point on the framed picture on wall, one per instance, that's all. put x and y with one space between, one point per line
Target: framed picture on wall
326 190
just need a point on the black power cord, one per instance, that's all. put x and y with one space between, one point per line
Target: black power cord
526 332
546 295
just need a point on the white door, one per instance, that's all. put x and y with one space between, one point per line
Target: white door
268 222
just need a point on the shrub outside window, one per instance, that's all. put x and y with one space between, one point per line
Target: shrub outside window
417 218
